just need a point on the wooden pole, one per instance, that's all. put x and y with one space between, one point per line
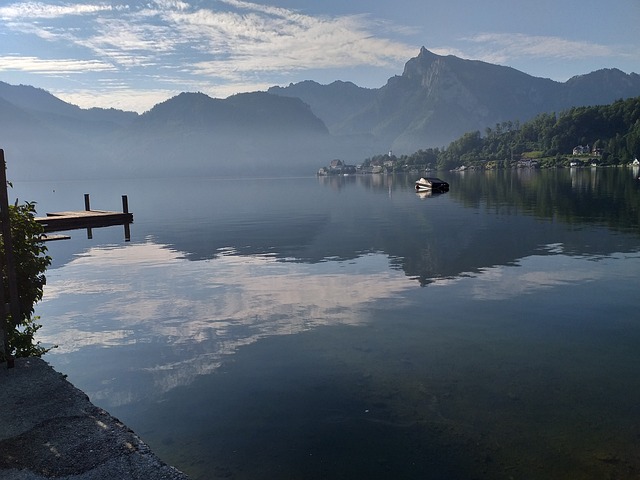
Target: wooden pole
125 209
9 261
87 207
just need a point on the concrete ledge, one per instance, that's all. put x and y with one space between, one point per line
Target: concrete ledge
50 429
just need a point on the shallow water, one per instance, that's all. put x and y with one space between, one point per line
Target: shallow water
349 328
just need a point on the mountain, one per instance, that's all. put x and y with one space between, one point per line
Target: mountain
245 134
46 106
45 137
438 98
332 103
190 134
286 130
602 87
255 112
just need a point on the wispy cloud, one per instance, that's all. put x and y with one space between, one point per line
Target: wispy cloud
248 37
269 39
541 272
60 66
40 10
236 301
504 47
219 46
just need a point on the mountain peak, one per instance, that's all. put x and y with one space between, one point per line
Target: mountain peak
418 66
604 74
425 53
597 87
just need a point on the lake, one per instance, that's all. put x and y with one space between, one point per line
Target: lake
347 327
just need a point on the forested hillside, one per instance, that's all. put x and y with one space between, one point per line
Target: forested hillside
611 133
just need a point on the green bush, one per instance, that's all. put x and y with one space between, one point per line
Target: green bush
31 261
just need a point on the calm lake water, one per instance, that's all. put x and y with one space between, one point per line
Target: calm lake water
346 328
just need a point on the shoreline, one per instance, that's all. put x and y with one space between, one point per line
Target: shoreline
50 428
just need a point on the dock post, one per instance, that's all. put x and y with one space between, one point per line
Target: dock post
125 209
87 207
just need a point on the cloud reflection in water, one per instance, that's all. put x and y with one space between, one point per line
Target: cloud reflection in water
151 320
146 295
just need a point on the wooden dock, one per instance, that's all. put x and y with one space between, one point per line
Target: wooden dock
86 219
61 221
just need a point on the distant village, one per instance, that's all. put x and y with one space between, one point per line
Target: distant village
581 156
387 164
338 167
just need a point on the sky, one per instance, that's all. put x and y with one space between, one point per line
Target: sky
131 55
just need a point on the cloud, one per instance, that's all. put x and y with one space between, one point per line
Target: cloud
39 10
133 56
59 66
204 310
503 47
172 4
244 39
540 272
271 39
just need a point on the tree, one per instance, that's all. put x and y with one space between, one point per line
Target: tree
633 141
31 261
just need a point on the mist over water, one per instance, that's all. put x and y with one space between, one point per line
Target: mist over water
347 327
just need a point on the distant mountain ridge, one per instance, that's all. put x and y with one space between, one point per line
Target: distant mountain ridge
43 103
255 111
245 134
438 98
189 134
288 130
332 103
600 86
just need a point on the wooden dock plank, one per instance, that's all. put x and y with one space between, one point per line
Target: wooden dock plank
61 221
82 213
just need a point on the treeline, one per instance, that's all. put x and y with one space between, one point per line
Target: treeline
549 139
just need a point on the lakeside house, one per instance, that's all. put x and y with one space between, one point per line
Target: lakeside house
586 150
580 150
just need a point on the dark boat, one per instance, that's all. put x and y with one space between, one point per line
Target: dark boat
431 183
